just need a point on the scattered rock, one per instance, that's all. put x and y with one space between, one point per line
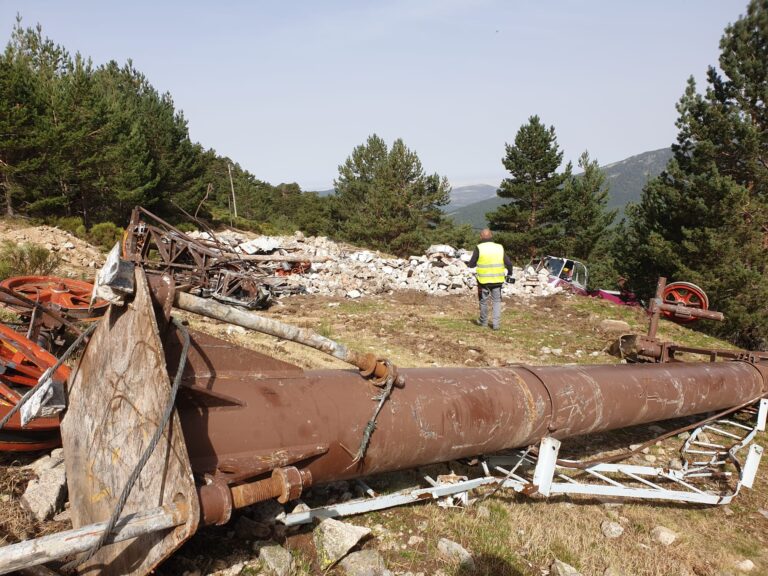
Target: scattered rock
45 495
663 535
611 571
334 539
415 540
744 565
559 568
649 458
276 560
763 512
365 563
453 551
609 325
611 529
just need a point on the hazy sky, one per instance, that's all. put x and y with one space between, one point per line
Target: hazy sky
288 89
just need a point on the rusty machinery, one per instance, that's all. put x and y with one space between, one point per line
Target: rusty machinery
247 428
207 265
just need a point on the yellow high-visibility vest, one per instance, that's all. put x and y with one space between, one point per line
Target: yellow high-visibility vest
490 263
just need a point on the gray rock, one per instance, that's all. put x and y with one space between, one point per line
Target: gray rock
611 529
334 539
453 551
415 541
45 495
744 566
276 560
663 535
365 563
763 512
559 568
609 325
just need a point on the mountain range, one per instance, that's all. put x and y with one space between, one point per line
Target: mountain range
626 179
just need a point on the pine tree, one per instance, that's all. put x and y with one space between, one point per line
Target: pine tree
384 199
585 220
705 219
529 223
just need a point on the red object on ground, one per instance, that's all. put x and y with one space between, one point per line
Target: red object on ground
66 294
22 362
687 294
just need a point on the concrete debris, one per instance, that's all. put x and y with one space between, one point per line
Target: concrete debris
559 568
611 529
365 563
334 539
456 552
663 536
80 256
276 560
45 495
341 270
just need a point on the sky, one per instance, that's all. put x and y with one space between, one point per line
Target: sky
287 89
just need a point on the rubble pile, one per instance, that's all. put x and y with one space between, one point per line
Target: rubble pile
70 249
338 269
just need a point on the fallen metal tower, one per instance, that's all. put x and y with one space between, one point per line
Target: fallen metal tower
246 428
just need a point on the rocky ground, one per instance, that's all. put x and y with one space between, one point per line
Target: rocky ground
497 534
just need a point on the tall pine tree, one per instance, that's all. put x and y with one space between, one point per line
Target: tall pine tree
529 223
384 199
705 219
585 220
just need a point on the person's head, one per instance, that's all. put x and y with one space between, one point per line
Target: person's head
486 234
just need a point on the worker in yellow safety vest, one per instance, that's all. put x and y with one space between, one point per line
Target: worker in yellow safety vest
490 262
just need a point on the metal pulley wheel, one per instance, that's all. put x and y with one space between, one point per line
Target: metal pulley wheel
70 296
687 294
22 363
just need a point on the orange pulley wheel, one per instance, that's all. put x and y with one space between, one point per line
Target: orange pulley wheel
687 294
68 295
22 362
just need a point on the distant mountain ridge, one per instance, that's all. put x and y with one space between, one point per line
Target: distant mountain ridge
625 178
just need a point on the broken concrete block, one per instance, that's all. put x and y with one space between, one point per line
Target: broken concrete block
45 494
365 563
334 539
276 560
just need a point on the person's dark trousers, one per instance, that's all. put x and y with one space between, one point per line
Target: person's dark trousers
492 292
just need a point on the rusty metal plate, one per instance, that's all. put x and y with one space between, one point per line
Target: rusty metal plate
117 395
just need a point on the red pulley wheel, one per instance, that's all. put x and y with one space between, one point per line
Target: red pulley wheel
22 362
71 296
687 294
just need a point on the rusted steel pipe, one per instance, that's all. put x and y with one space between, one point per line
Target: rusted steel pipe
688 312
367 363
235 415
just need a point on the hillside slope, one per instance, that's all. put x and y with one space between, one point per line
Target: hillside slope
625 178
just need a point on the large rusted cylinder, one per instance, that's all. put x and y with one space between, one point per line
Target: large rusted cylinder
252 413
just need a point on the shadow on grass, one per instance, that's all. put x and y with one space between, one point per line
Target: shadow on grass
489 565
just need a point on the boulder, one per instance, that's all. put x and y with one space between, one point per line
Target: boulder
456 552
276 560
560 568
334 539
663 535
365 563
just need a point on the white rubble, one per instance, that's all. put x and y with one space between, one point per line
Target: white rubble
45 495
342 270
